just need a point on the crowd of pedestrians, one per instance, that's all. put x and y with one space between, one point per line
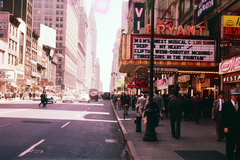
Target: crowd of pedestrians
224 112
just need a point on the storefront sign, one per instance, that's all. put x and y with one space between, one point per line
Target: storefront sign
139 12
184 85
138 83
204 6
229 65
174 49
20 82
28 82
184 78
6 74
203 83
162 81
174 70
230 27
231 77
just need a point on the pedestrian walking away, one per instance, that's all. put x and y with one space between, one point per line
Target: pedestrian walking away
187 106
141 104
126 104
230 120
216 114
160 103
175 109
197 105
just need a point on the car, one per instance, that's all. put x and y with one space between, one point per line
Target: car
84 98
106 95
51 97
67 97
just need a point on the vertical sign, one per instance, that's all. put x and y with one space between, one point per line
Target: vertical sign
4 20
139 12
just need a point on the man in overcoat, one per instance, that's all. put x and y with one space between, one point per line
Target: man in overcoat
216 114
230 119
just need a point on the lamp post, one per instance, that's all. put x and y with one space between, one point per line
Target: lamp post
150 134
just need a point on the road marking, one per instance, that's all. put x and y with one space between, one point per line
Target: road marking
29 149
5 124
78 115
65 125
13 111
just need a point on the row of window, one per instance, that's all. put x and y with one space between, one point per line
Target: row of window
34 68
13 30
39 5
60 38
58 51
12 45
34 55
47 12
12 59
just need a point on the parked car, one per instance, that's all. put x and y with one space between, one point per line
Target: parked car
51 98
84 98
68 97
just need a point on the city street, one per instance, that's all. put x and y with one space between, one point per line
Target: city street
59 131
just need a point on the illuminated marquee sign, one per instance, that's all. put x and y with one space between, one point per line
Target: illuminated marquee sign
229 65
174 49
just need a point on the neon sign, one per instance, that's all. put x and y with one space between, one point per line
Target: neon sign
229 65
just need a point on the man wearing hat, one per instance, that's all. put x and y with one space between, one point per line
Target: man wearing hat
216 114
230 120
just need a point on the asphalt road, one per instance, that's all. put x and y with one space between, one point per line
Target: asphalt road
60 131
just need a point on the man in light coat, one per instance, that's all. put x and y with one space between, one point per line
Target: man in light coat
160 103
141 103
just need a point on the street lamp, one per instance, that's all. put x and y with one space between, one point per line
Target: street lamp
150 134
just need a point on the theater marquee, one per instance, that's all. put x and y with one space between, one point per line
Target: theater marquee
174 48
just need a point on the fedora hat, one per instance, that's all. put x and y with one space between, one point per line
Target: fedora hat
234 91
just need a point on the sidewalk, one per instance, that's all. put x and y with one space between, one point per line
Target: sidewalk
197 142
17 99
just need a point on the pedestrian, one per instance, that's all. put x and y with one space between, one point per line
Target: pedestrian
43 99
197 105
141 103
30 95
126 104
230 121
118 101
166 100
34 94
175 109
133 103
160 103
187 106
122 98
20 95
216 114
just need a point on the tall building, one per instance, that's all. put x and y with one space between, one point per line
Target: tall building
62 16
93 31
23 9
124 23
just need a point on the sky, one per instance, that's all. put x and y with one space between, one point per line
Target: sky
108 19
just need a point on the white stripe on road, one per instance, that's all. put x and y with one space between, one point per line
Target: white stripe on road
5 124
78 115
32 147
65 125
15 110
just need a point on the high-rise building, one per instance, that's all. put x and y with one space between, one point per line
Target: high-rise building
124 23
23 9
62 16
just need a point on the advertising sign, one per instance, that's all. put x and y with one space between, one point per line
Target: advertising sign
229 65
48 36
231 77
230 27
139 13
174 49
6 74
4 20
204 6
138 83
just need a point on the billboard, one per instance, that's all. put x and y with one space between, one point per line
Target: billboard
4 21
48 36
174 48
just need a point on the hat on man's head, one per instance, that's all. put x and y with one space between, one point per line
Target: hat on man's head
234 91
221 92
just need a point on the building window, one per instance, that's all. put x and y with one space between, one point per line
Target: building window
60 59
35 11
46 11
39 11
57 25
61 6
60 44
57 18
38 24
50 24
9 57
57 12
50 6
35 5
46 0
39 5
46 5
39 18
57 6
56 51
50 18
46 18
61 13
34 18
56 37
60 51
61 18
1 4
50 12
34 24
60 38
57 0
61 25
59 66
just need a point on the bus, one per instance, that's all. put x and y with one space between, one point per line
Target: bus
93 94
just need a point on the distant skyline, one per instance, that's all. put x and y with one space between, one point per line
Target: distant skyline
108 20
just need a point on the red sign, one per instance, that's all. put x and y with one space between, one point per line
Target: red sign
138 83
231 33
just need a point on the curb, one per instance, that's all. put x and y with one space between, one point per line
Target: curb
132 151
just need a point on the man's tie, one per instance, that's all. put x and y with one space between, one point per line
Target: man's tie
236 106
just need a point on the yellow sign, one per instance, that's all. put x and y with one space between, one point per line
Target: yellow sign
184 85
231 21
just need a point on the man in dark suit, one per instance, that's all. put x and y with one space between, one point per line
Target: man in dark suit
230 119
216 114
43 99
175 109
197 105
